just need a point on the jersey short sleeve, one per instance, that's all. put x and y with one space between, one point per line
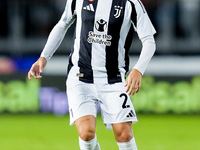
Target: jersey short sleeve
140 19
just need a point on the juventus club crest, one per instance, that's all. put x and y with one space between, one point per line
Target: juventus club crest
118 10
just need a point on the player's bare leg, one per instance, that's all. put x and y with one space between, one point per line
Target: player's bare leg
124 136
86 127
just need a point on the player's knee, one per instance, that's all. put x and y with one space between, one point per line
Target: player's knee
125 137
87 132
123 132
87 135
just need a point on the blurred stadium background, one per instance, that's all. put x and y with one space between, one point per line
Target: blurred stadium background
168 104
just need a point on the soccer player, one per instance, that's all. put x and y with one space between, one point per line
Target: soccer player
98 63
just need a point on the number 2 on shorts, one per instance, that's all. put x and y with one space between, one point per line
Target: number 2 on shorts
124 105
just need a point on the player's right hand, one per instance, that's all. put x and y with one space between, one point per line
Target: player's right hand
37 68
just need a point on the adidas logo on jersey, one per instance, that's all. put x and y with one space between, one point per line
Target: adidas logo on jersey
89 7
131 114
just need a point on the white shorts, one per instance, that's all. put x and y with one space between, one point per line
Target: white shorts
116 105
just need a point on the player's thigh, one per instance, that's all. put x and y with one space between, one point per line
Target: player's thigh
86 127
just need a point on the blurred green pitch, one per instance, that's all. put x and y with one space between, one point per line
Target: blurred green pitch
48 132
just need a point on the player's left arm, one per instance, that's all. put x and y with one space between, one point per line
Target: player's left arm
133 82
145 30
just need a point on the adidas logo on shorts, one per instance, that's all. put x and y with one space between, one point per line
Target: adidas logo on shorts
131 114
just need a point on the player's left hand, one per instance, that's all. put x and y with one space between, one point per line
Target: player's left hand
133 82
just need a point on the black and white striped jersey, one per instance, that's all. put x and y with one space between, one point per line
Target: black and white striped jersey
103 36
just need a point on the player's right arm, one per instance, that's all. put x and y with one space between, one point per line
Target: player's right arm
54 40
58 32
